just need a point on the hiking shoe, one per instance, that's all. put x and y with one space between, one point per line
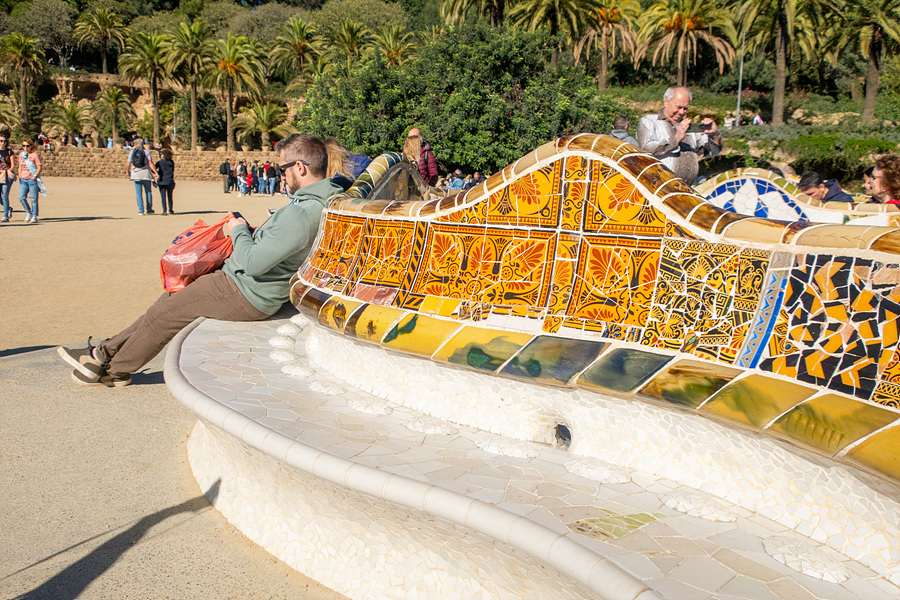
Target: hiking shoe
82 359
105 380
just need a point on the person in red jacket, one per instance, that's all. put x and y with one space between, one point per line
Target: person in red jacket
419 152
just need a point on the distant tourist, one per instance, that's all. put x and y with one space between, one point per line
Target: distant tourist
141 171
109 143
729 121
29 174
240 172
665 135
812 184
7 175
344 167
271 177
757 119
165 169
620 130
886 179
225 172
477 179
418 152
456 181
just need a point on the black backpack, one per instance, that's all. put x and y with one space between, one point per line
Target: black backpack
223 169
138 158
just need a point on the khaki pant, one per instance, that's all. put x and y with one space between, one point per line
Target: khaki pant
214 295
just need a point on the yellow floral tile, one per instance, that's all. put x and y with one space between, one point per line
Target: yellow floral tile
756 399
618 206
418 334
388 248
482 349
831 422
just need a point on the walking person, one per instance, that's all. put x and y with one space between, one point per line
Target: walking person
165 169
29 172
7 176
141 170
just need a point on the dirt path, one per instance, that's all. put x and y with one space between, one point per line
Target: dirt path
91 265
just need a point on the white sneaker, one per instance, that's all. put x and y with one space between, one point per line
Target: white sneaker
27 217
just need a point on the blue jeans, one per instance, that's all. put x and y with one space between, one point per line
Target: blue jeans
26 187
4 200
139 186
262 185
271 181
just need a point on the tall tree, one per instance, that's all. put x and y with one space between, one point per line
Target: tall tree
566 18
775 24
264 119
102 26
113 104
236 68
396 45
681 25
875 26
145 56
21 64
297 46
189 55
455 11
612 21
50 21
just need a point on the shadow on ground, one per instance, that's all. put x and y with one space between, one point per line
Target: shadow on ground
71 581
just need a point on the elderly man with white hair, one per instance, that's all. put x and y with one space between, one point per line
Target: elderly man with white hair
668 136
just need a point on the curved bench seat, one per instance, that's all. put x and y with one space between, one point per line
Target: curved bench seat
377 500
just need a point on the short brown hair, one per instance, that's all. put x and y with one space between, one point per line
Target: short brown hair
166 153
308 148
890 168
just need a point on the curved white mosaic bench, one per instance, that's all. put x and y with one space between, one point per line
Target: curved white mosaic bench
369 533
370 522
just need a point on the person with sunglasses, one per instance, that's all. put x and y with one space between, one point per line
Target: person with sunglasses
252 285
7 176
29 174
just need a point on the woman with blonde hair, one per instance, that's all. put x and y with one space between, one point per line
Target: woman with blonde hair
419 153
344 166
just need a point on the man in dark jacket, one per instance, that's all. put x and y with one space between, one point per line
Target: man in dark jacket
225 172
814 186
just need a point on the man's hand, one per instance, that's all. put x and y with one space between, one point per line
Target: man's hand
231 224
681 129
710 126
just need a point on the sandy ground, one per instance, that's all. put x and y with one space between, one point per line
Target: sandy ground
98 498
90 266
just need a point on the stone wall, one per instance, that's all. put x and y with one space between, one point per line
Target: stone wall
100 162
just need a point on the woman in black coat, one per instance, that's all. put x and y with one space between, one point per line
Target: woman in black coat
166 182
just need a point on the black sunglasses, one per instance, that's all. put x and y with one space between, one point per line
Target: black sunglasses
286 166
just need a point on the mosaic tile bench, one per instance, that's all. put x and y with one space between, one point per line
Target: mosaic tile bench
764 193
586 297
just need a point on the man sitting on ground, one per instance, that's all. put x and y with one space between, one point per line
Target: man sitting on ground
812 184
251 285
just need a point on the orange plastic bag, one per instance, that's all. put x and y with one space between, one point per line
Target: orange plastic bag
195 252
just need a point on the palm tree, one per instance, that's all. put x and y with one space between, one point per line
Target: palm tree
455 11
613 20
263 119
774 23
320 65
189 54
102 26
21 64
71 118
144 56
568 18
875 24
681 25
236 67
351 38
297 46
395 45
113 104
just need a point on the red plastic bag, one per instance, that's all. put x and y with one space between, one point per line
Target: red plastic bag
195 252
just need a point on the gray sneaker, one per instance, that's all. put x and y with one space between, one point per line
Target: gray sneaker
82 359
105 379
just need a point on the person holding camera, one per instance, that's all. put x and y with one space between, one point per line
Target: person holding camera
674 140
